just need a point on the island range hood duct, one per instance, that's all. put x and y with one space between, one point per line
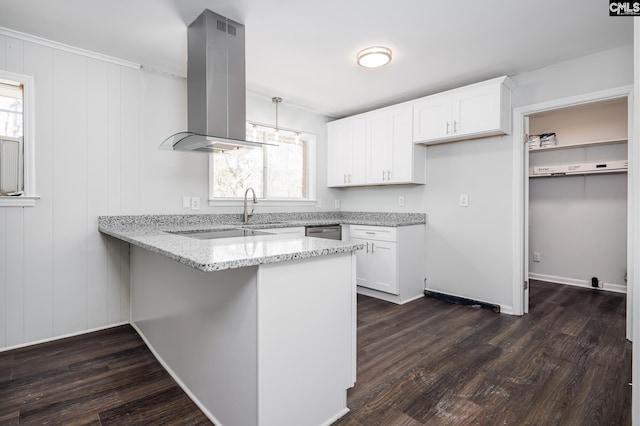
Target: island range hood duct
215 88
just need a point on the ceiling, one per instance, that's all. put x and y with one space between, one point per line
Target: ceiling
304 50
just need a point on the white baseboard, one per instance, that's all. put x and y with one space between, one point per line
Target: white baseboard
64 336
616 288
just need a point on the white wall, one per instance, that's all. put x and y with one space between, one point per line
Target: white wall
98 126
469 250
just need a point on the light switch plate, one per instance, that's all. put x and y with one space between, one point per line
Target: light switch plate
186 202
464 200
337 204
401 200
195 203
536 256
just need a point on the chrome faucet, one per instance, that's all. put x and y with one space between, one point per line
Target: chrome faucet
248 215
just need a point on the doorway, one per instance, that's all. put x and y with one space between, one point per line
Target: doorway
552 172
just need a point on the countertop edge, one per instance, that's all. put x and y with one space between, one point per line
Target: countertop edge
232 264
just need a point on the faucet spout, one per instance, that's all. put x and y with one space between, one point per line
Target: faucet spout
248 215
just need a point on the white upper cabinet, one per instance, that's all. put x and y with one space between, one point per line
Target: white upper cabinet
478 110
375 148
390 149
347 141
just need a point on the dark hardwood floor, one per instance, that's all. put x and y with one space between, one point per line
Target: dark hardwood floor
108 377
432 363
425 363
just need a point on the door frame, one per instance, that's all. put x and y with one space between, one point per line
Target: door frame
521 193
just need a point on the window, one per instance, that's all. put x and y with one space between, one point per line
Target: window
282 171
17 183
11 137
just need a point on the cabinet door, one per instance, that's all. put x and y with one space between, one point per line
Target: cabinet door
335 143
376 265
432 118
357 160
346 148
476 110
379 146
402 138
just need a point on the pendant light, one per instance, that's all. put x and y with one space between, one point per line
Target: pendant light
276 101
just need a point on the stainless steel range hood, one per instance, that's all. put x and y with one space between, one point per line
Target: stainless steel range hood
215 88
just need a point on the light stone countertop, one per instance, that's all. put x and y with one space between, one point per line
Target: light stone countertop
153 232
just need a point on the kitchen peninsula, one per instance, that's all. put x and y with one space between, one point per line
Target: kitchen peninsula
243 323
258 329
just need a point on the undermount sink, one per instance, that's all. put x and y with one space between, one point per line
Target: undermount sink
220 233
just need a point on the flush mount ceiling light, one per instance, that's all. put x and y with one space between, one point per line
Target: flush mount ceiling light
374 57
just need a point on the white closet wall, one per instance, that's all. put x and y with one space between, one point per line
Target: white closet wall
578 224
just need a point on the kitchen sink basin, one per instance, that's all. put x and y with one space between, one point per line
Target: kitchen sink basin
220 233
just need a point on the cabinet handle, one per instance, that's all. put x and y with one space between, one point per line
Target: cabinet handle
447 127
370 233
455 126
383 175
388 174
344 180
367 247
372 248
349 177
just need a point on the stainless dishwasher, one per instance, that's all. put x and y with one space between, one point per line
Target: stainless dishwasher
331 232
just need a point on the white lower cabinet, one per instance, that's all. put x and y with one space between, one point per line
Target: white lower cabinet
375 265
391 265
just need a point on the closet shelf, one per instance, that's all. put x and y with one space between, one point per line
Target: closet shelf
595 172
580 145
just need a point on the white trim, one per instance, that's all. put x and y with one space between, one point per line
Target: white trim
28 138
67 48
18 201
616 288
520 203
633 243
63 336
234 202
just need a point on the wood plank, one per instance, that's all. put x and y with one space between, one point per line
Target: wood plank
114 194
69 193
14 55
38 233
15 266
130 140
3 49
97 192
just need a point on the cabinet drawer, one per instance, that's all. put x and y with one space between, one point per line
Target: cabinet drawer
380 233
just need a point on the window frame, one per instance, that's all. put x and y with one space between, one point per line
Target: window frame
28 143
310 178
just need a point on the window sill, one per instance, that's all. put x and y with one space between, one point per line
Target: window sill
22 201
271 202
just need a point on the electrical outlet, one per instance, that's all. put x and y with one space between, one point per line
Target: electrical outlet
337 204
186 202
464 200
536 256
401 200
195 203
